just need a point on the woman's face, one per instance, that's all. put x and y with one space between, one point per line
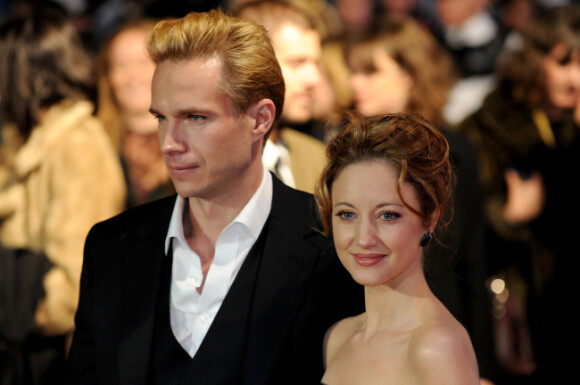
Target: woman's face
382 89
131 71
562 77
376 236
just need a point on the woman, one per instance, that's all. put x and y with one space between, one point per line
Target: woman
526 135
397 66
529 117
383 197
125 74
59 174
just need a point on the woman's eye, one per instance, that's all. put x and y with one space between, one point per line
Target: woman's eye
389 216
566 59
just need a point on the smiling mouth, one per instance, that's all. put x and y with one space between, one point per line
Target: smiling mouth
368 259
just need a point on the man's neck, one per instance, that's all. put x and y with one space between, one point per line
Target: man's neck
204 219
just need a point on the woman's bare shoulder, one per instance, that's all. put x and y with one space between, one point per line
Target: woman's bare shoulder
441 352
339 333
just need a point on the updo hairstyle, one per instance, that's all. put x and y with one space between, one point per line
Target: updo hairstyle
419 152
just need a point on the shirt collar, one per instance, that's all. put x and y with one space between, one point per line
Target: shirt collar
253 215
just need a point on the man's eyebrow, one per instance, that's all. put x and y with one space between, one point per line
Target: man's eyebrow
183 112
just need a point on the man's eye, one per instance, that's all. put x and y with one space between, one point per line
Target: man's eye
195 117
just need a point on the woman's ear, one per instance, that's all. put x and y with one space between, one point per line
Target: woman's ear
432 219
262 113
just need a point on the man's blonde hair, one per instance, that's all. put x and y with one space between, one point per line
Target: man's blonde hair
250 69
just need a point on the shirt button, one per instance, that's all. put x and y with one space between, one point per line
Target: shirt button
192 282
204 318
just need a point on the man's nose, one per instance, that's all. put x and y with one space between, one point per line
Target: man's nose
170 139
312 75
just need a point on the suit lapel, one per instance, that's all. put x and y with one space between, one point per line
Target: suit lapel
141 265
289 259
287 264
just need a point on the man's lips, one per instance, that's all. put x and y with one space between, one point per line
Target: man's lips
181 169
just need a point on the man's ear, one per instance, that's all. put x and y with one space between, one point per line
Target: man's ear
263 113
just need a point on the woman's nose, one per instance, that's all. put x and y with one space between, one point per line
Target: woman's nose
367 234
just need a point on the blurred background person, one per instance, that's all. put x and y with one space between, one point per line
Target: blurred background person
473 34
125 75
333 94
293 154
423 11
356 15
60 175
526 135
397 66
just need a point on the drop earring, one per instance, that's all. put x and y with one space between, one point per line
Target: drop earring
426 238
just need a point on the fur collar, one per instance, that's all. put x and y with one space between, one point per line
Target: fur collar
57 121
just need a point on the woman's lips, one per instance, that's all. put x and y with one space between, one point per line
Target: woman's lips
368 259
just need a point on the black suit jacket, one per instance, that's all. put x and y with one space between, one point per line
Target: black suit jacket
299 290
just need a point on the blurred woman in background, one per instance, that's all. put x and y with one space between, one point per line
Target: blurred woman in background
59 176
125 75
527 138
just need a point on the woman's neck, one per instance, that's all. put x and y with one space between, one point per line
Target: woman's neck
397 305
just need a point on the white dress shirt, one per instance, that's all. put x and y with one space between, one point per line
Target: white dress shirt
191 313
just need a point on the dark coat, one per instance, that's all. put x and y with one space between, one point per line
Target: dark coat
300 290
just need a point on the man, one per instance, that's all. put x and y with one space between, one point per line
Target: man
472 33
229 282
296 157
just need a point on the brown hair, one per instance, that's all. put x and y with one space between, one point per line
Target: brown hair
42 62
107 107
522 72
250 69
416 52
416 148
273 14
333 64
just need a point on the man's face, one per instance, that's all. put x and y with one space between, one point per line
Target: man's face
207 147
453 13
298 52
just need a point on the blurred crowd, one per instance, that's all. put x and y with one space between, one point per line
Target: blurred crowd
500 78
